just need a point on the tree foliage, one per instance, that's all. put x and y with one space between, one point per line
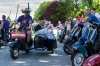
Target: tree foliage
39 12
60 11
50 11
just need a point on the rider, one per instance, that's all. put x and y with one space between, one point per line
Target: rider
26 22
41 24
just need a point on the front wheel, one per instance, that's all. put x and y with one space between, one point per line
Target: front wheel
14 53
78 59
67 49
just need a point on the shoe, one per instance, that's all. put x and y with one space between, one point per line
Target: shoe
31 47
27 47
52 51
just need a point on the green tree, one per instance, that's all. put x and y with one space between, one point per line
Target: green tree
88 3
58 11
39 12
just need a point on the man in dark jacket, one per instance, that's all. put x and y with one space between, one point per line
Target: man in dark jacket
41 24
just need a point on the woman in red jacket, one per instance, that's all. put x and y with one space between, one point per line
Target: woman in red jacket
80 18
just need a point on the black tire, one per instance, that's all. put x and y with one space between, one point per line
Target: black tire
67 49
0 46
75 57
12 53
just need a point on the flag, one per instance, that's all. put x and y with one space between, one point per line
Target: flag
20 35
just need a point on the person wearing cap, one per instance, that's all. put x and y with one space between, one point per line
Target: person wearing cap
26 22
41 24
93 11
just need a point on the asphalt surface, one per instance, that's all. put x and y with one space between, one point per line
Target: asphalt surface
35 58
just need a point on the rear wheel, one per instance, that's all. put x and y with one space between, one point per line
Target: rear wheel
14 53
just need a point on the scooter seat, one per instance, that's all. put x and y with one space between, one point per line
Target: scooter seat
77 44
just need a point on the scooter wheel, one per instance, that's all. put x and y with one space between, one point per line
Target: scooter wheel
67 49
77 59
14 53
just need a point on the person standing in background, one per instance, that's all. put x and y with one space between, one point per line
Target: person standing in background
59 25
59 28
93 11
6 23
72 23
5 26
68 24
80 18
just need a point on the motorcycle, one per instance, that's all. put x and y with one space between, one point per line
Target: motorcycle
76 33
18 42
93 60
86 46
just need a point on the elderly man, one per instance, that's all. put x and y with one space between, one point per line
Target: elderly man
51 38
41 24
26 23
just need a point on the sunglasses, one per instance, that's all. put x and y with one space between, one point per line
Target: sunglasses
26 12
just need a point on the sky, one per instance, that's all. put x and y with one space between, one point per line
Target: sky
7 5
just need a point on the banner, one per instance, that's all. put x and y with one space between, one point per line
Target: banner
21 35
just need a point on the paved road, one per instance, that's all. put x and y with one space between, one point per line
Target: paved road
35 58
